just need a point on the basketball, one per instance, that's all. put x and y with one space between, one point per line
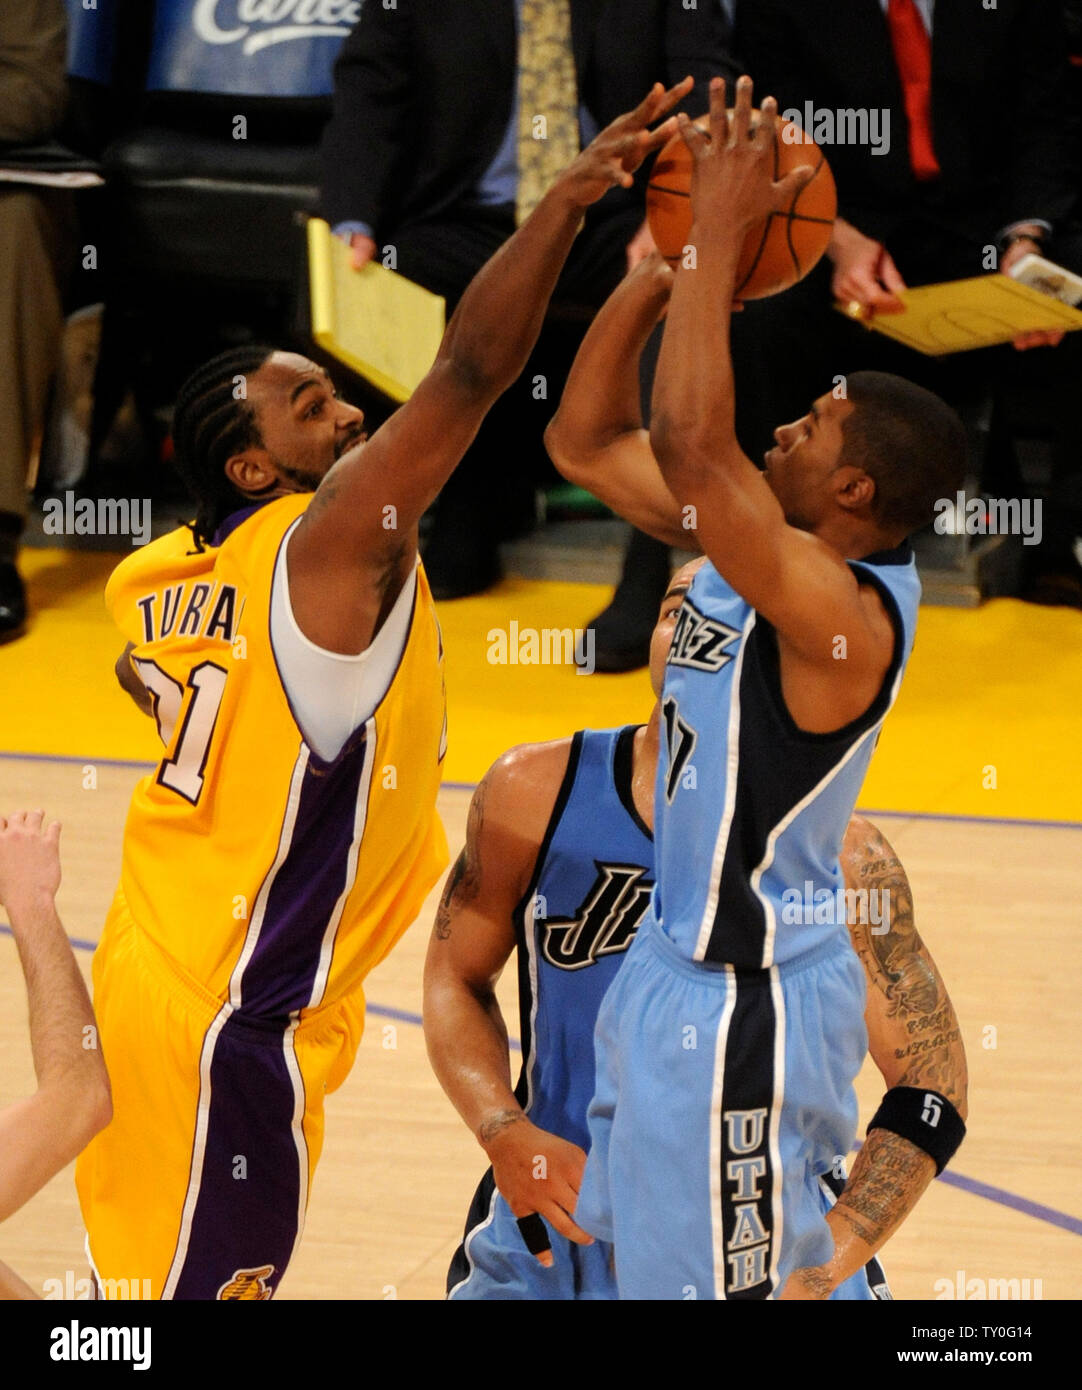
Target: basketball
778 251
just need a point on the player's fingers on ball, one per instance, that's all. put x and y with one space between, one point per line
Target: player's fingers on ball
768 123
742 110
668 99
52 834
647 109
692 136
661 136
719 112
787 189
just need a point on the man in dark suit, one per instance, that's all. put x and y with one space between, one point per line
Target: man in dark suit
435 103
975 167
36 238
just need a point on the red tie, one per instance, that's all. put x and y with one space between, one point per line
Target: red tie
913 54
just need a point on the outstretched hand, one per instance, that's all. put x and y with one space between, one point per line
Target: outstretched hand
29 861
610 160
732 171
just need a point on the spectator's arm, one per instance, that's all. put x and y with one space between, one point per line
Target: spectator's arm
33 49
364 139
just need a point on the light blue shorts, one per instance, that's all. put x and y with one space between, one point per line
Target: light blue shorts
493 1263
723 1098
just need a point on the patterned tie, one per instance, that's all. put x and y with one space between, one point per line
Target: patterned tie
913 54
548 120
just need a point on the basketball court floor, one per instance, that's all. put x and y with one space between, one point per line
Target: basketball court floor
977 782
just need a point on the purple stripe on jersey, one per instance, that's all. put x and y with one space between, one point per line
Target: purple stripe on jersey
244 1224
235 519
280 975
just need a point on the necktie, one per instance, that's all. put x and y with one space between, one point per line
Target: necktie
548 121
913 54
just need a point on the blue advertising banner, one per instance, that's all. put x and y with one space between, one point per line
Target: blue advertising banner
91 39
283 48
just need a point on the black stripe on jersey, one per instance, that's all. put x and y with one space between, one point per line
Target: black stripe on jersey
747 1103
778 765
873 1270
899 555
461 1267
525 991
622 771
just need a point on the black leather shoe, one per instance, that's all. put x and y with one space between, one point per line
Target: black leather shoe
1055 588
12 603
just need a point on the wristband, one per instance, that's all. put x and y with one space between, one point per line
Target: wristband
926 1118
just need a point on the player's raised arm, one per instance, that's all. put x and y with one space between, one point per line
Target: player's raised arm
42 1133
470 945
798 582
915 1041
596 438
364 513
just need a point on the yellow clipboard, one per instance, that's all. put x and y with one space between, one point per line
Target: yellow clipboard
964 314
379 323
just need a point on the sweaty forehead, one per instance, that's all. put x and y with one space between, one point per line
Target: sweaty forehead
283 371
681 579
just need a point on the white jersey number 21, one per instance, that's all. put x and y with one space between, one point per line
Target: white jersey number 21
183 772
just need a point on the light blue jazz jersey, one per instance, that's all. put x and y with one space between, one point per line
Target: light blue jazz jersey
727 1048
750 811
590 889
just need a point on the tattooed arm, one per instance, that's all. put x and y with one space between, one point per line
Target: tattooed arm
914 1039
472 939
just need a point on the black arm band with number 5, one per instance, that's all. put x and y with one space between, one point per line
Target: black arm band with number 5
926 1118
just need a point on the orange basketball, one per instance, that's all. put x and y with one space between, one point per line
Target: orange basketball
778 251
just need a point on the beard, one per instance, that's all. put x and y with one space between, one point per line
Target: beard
303 479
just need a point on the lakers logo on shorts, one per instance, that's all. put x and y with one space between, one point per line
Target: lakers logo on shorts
249 1284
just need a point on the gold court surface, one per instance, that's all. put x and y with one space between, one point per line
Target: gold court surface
977 782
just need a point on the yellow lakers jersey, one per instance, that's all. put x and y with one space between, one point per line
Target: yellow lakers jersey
275 879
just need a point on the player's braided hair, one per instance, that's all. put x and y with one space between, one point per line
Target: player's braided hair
212 420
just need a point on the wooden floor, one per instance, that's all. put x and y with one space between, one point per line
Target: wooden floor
998 904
